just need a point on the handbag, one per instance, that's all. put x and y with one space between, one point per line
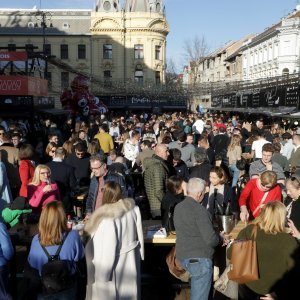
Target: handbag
241 164
225 286
243 263
175 267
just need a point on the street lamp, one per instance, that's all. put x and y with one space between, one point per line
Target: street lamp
43 18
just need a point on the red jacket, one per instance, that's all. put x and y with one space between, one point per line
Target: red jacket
26 171
252 195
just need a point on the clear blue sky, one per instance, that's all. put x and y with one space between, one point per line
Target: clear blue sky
219 21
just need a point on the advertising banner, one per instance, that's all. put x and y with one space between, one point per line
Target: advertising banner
23 85
13 56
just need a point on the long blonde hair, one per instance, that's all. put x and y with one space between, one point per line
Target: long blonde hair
36 176
52 224
272 218
235 141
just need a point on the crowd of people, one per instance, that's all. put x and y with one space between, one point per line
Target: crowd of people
186 168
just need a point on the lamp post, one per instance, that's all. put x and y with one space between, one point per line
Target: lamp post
44 17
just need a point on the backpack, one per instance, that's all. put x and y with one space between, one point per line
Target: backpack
55 273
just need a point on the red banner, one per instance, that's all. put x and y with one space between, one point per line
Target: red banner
13 56
23 86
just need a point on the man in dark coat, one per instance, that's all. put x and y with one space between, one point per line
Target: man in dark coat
63 175
80 161
202 166
155 176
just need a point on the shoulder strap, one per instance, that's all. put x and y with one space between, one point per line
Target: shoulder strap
58 249
261 202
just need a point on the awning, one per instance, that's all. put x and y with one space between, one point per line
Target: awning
273 112
54 111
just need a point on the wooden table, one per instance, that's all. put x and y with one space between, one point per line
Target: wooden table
170 239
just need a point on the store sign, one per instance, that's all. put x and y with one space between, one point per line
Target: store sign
23 85
13 56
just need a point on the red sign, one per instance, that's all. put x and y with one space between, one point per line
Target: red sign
23 86
13 56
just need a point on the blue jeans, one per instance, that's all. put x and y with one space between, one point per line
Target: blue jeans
235 174
4 283
201 270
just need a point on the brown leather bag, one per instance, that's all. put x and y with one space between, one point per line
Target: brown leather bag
243 263
175 267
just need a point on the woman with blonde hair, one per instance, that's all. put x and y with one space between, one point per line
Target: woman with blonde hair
52 233
234 153
94 147
41 190
275 247
256 193
115 247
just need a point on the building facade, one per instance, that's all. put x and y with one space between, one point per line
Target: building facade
110 44
274 52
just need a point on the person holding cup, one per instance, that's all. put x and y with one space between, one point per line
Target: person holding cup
41 190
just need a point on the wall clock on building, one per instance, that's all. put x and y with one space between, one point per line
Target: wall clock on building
107 6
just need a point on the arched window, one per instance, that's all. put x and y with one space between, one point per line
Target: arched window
285 71
139 76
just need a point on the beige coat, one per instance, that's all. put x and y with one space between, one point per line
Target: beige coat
114 252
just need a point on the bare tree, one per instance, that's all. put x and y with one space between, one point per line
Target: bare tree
195 49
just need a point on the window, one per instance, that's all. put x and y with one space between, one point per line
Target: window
47 49
107 78
138 51
11 47
64 80
64 51
107 74
81 52
157 77
157 52
107 51
139 76
29 47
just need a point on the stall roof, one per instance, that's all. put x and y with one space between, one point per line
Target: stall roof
273 112
54 111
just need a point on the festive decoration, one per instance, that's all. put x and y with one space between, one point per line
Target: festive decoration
80 101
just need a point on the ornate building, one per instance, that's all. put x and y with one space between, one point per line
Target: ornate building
110 44
129 44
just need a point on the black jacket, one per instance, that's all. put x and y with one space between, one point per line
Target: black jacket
169 202
201 171
63 175
81 167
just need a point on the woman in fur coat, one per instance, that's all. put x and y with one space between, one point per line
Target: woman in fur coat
115 247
